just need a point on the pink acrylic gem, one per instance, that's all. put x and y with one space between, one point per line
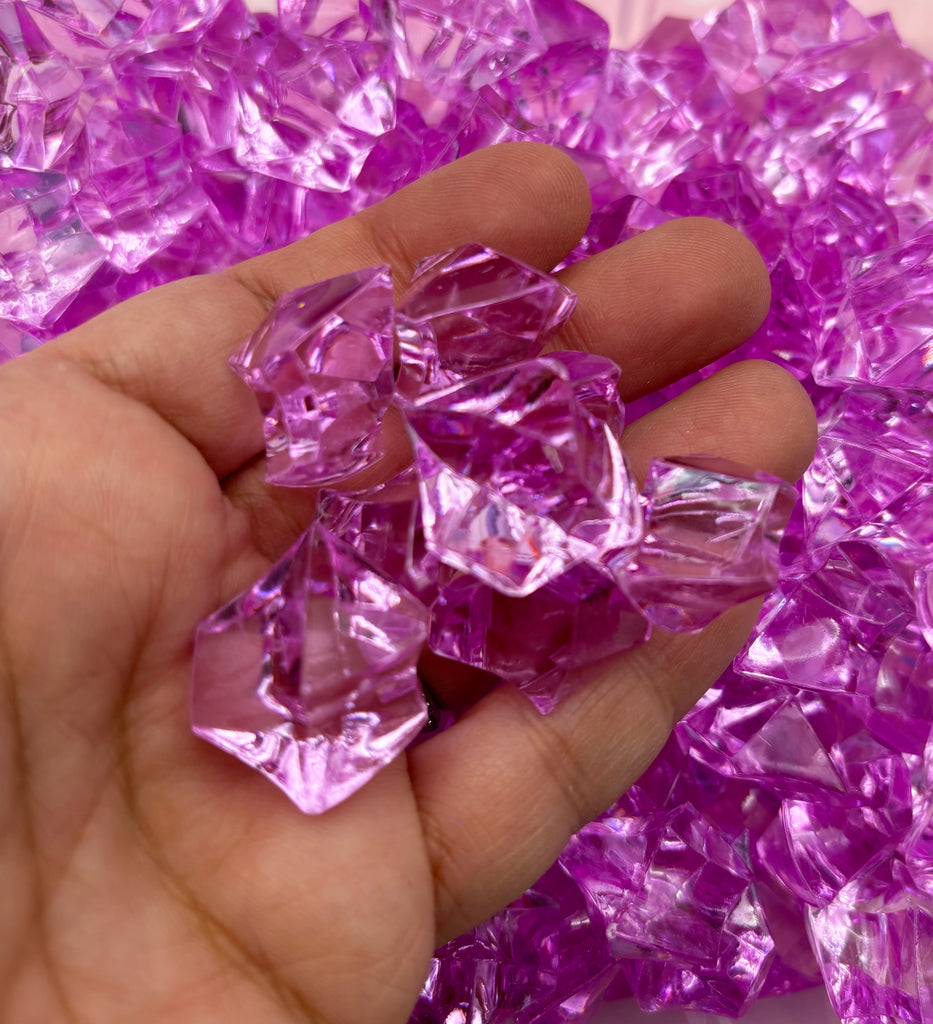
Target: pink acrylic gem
873 943
453 48
831 625
881 331
713 529
310 675
534 642
482 310
518 480
595 382
678 902
321 367
383 524
46 251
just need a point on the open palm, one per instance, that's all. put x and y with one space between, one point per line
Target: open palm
145 876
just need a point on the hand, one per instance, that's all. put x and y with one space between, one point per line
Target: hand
145 875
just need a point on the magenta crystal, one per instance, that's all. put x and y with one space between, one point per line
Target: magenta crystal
831 625
873 944
712 531
677 901
383 524
535 642
310 676
321 367
481 309
46 251
881 332
518 480
453 48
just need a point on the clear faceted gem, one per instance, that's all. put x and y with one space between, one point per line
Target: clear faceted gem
321 367
518 480
482 310
310 676
712 532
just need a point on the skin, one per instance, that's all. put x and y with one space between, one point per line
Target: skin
145 875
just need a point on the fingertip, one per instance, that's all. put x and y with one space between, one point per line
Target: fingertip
527 198
753 412
668 301
791 419
737 272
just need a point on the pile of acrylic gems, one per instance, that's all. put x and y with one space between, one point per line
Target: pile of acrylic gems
142 141
516 541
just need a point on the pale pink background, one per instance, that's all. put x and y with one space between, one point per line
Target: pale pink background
630 20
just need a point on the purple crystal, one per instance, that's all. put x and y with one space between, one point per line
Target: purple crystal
711 540
595 382
646 879
873 945
518 480
46 253
761 733
882 331
321 367
383 524
874 451
452 48
482 310
142 155
832 625
527 965
310 675
535 642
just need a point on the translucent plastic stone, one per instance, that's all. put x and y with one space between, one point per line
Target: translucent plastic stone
678 904
320 365
383 524
537 641
518 480
873 945
750 42
141 143
874 449
481 309
761 733
712 532
532 963
309 676
452 48
46 251
881 332
832 625
137 161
